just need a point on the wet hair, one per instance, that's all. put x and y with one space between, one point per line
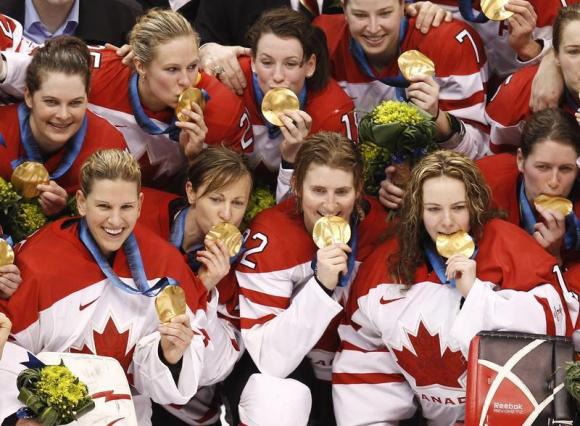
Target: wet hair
110 164
65 54
410 231
550 124
217 167
156 27
565 16
289 24
332 150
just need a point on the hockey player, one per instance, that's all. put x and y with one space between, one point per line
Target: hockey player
291 293
509 107
364 45
412 313
89 286
52 125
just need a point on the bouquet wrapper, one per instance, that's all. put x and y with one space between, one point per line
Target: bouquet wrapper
103 376
518 379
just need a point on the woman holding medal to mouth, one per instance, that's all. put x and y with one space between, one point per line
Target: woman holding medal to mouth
510 105
104 300
448 271
52 125
291 292
538 187
287 52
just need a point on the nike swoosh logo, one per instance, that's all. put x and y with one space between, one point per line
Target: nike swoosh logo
386 301
85 306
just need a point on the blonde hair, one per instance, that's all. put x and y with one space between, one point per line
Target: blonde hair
157 27
111 164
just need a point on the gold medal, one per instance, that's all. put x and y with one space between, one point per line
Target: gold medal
329 230
191 95
495 9
6 253
559 204
276 101
458 243
227 234
170 302
26 176
413 63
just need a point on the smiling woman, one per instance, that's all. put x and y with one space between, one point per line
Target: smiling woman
52 125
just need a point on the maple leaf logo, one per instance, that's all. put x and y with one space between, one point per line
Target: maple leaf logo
111 343
428 366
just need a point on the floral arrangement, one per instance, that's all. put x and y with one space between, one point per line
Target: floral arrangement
53 395
18 217
394 133
572 379
261 199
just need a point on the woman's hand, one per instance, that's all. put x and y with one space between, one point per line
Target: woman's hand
5 326
330 262
462 270
428 15
176 336
424 92
10 280
215 263
296 128
521 26
550 232
52 198
548 84
390 195
193 132
222 62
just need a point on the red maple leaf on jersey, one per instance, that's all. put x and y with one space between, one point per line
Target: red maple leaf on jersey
110 343
429 366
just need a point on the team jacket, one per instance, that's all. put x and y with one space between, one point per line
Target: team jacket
494 34
65 303
157 213
509 108
460 71
285 314
400 346
11 36
330 108
100 135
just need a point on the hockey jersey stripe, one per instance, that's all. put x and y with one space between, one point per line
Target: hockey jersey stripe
246 323
365 378
459 87
265 299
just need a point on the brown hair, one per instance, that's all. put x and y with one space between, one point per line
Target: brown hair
111 164
156 27
565 16
550 124
65 54
218 167
327 149
287 23
410 230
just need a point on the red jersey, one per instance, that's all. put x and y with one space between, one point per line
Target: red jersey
225 116
462 80
11 36
99 135
330 108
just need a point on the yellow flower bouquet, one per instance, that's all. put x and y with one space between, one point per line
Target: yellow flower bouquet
394 133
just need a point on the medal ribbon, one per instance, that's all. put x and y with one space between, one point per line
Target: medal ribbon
131 249
142 119
273 130
72 147
350 263
466 10
399 82
572 235
437 263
